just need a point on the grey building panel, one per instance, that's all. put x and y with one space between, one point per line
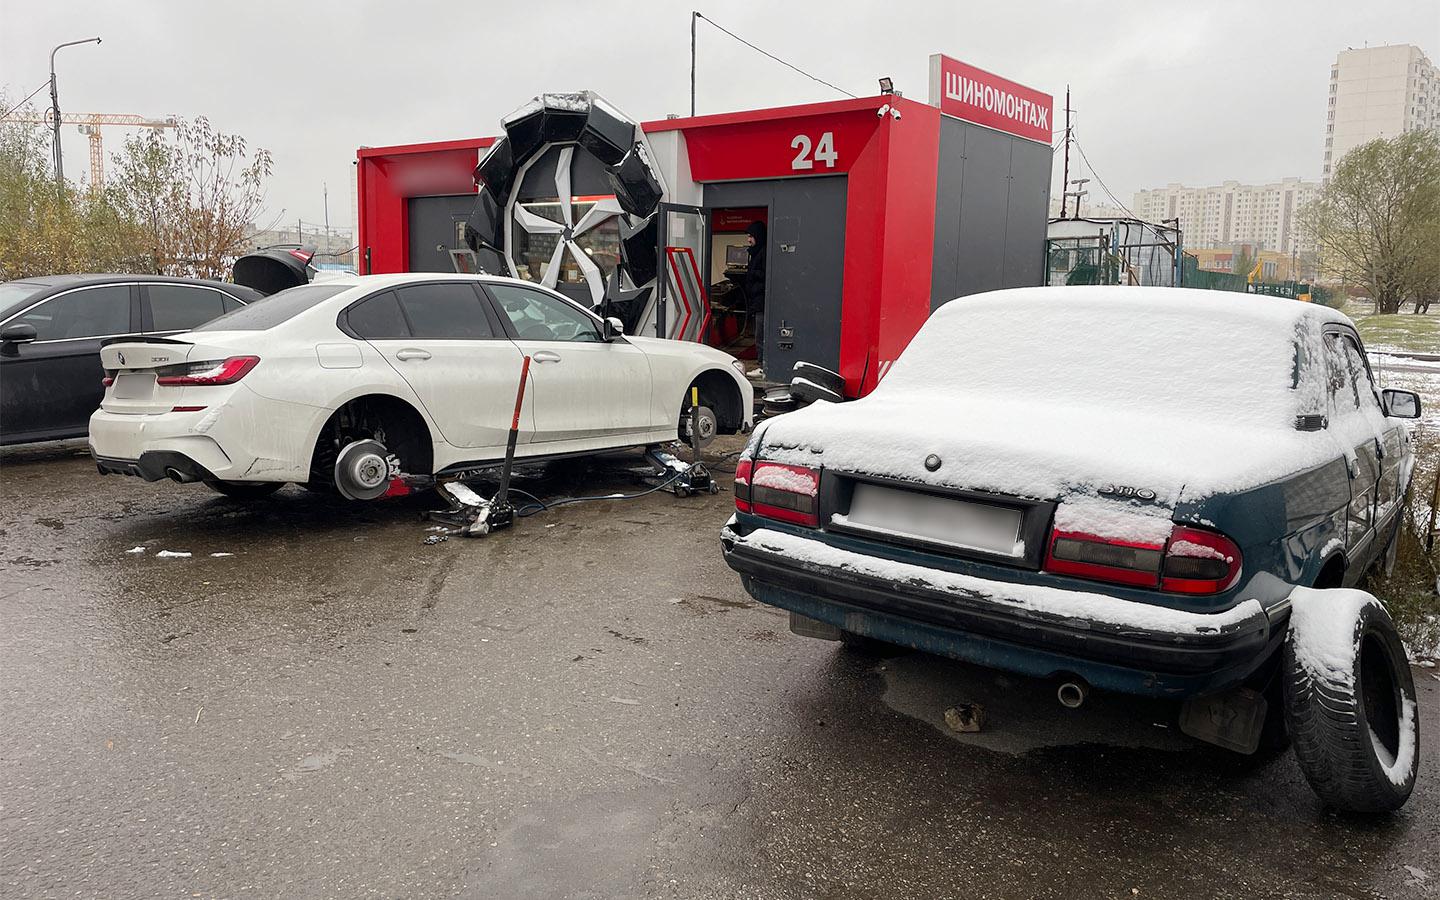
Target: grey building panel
983 210
805 264
945 262
1028 217
992 199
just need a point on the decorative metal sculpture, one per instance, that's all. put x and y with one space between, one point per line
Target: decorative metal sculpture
575 125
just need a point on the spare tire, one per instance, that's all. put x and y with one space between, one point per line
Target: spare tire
1350 701
826 378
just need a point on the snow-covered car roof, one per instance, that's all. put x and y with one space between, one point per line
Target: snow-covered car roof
1038 391
1200 355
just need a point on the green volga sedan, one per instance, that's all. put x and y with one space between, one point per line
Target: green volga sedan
1153 491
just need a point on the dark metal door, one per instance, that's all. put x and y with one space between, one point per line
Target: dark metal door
805 265
437 226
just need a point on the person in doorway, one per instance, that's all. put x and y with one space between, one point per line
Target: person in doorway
755 291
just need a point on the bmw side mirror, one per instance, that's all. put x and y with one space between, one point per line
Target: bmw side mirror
1401 404
18 334
612 328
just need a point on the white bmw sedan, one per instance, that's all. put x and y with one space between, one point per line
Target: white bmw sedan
425 365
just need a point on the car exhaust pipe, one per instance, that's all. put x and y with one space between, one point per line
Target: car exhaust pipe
174 475
1072 694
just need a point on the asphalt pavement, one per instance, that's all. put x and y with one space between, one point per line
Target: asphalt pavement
315 703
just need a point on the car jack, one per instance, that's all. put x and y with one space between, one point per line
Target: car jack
681 478
470 514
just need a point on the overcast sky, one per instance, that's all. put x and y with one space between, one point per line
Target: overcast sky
1194 93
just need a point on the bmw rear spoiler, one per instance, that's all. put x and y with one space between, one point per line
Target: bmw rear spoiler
141 339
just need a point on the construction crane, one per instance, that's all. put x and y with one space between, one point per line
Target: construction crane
90 125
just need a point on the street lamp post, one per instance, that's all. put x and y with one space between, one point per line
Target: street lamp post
55 112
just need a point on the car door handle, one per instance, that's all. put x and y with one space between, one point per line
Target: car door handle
545 356
412 353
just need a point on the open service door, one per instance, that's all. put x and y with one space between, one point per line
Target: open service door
682 307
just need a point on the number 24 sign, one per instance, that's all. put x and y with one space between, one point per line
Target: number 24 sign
823 151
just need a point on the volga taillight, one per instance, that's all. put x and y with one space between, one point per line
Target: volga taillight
1190 561
778 491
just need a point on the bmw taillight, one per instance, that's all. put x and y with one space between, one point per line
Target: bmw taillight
1190 561
779 491
225 371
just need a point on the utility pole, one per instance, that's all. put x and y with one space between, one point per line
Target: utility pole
55 113
326 188
694 14
1065 178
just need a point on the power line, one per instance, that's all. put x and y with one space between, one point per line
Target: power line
42 87
774 57
1100 181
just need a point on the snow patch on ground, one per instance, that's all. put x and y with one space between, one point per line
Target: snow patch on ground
1096 608
173 554
136 550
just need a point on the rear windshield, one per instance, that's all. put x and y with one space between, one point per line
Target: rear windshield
16 294
277 308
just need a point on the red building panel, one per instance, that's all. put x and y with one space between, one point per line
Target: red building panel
386 177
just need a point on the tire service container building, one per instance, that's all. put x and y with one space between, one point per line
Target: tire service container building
876 211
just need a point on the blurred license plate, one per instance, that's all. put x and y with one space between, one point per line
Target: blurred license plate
939 520
137 386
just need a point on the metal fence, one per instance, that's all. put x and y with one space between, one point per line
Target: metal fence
1192 276
1110 251
1132 252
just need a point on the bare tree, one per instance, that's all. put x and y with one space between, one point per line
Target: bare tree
195 193
1374 222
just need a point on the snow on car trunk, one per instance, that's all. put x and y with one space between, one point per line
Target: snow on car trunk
1049 392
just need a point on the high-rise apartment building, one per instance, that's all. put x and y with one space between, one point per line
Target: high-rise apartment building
1378 92
1264 215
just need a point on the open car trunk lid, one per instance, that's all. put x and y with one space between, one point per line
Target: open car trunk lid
274 269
